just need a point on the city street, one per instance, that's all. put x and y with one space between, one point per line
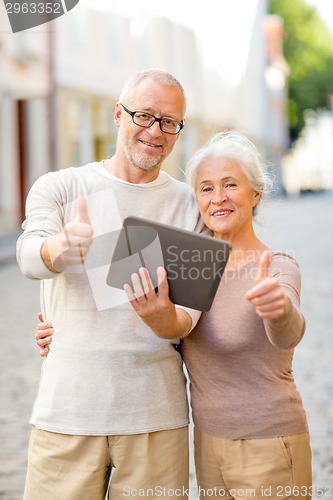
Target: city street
302 226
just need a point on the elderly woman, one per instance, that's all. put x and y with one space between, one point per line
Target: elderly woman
250 426
251 433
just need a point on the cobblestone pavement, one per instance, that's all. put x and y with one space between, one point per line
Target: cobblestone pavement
303 226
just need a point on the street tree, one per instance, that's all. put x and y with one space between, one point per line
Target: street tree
308 49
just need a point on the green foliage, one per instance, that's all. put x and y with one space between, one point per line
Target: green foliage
308 49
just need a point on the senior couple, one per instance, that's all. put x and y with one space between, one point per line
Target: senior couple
111 413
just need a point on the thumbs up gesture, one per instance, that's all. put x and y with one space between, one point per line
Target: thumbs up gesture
267 295
71 246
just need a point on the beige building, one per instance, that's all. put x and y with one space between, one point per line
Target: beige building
24 87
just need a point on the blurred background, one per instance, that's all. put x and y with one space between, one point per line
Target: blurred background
261 66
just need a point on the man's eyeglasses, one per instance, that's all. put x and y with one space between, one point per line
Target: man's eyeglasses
147 120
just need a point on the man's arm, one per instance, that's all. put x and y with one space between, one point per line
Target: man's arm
155 309
47 246
71 246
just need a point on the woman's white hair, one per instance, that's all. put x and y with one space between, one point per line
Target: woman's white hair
236 146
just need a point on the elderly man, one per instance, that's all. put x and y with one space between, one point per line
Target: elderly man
111 409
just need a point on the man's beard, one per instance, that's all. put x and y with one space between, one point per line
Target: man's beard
140 160
144 161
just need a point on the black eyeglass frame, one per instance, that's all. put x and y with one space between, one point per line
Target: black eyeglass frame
180 124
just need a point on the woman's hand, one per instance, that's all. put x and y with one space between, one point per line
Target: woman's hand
267 296
44 332
156 309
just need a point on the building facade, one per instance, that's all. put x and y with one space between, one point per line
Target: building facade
59 86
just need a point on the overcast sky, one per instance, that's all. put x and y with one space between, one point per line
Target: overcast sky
325 7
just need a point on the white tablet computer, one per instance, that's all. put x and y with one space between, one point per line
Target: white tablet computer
194 262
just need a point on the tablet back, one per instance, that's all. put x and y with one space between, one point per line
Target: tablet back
194 262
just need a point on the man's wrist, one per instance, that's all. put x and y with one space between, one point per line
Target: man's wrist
177 327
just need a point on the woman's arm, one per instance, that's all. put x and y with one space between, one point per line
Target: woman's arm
276 300
44 332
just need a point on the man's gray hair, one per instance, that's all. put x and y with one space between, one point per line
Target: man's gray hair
155 74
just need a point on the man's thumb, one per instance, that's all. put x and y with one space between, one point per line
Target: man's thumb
82 210
264 265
